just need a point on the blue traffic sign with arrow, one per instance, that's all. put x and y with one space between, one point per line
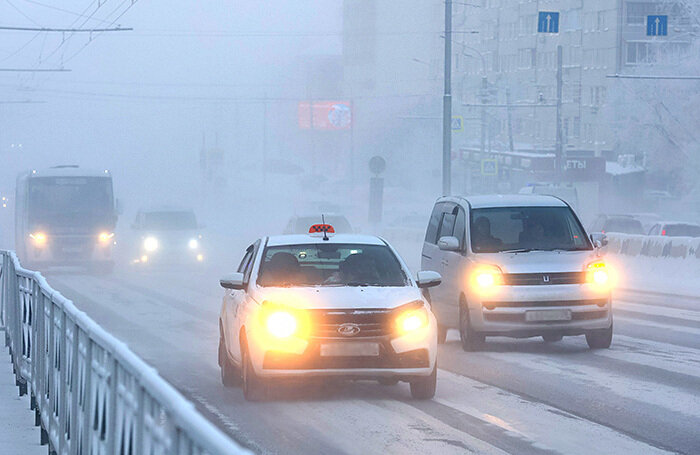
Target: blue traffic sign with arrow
657 25
548 22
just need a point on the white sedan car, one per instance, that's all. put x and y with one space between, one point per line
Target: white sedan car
344 305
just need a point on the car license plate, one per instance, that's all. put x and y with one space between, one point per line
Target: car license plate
72 249
548 315
350 349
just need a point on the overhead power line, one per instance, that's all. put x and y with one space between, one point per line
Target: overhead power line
636 76
66 30
34 70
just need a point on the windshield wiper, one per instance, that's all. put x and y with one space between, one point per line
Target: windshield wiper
518 250
360 283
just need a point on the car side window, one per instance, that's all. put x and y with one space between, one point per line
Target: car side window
246 259
434 223
460 225
654 230
447 226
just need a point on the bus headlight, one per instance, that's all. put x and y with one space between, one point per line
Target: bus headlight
105 237
150 244
39 238
193 244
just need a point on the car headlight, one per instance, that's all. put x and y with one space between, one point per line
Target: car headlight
150 244
486 277
411 320
39 238
105 237
281 324
193 244
598 274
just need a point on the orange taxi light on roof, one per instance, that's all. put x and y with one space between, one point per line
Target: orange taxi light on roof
320 228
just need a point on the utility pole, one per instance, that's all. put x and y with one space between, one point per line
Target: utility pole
510 122
559 151
484 88
447 106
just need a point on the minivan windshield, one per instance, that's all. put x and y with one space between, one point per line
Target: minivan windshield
170 220
329 264
521 229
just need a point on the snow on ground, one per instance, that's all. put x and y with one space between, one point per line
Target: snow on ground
659 274
18 435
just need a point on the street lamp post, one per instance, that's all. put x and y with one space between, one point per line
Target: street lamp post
447 105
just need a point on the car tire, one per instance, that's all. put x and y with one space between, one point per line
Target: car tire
600 339
471 340
254 387
423 388
441 334
230 376
552 338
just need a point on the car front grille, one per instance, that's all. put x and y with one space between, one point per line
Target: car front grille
367 323
490 305
535 279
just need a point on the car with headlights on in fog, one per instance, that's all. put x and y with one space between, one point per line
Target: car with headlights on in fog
516 266
166 235
331 306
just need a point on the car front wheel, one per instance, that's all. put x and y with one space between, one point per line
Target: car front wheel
254 387
471 340
423 388
230 376
600 339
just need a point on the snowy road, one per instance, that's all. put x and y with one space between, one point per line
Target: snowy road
516 396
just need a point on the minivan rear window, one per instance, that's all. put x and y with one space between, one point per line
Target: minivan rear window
501 229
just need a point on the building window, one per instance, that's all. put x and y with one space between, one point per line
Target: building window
639 53
637 12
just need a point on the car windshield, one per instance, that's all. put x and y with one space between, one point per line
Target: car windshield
500 229
330 264
682 230
624 225
170 220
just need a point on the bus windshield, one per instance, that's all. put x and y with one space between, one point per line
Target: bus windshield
70 200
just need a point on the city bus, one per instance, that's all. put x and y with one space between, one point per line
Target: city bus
65 215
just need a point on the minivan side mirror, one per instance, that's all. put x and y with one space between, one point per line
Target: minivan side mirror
428 279
449 243
599 239
233 281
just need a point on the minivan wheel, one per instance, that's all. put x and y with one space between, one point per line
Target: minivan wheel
423 388
552 338
600 339
471 340
441 334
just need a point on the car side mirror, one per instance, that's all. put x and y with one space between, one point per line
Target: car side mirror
428 279
233 281
599 239
449 243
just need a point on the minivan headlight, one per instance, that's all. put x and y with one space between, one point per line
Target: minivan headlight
486 277
597 273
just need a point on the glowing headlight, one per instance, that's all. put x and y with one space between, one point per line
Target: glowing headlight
39 238
281 324
412 320
598 274
150 244
193 244
105 237
486 277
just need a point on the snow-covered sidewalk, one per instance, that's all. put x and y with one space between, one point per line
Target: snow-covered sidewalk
18 435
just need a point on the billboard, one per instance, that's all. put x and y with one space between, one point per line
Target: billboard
325 115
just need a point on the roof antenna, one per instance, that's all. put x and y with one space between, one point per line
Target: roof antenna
325 228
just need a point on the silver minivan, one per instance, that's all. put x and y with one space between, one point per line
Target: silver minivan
517 266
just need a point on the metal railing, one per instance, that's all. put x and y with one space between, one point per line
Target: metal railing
90 393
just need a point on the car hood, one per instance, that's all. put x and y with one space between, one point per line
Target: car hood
539 261
327 297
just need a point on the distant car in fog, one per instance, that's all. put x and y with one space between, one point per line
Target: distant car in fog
675 229
647 219
516 266
625 224
299 224
167 235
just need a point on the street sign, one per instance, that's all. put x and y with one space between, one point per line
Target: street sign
657 25
457 123
489 167
548 22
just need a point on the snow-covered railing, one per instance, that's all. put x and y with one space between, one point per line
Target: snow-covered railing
90 393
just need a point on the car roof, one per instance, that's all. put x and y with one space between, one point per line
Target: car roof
666 223
306 239
69 171
513 200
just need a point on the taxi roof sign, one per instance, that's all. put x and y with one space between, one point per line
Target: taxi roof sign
321 229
